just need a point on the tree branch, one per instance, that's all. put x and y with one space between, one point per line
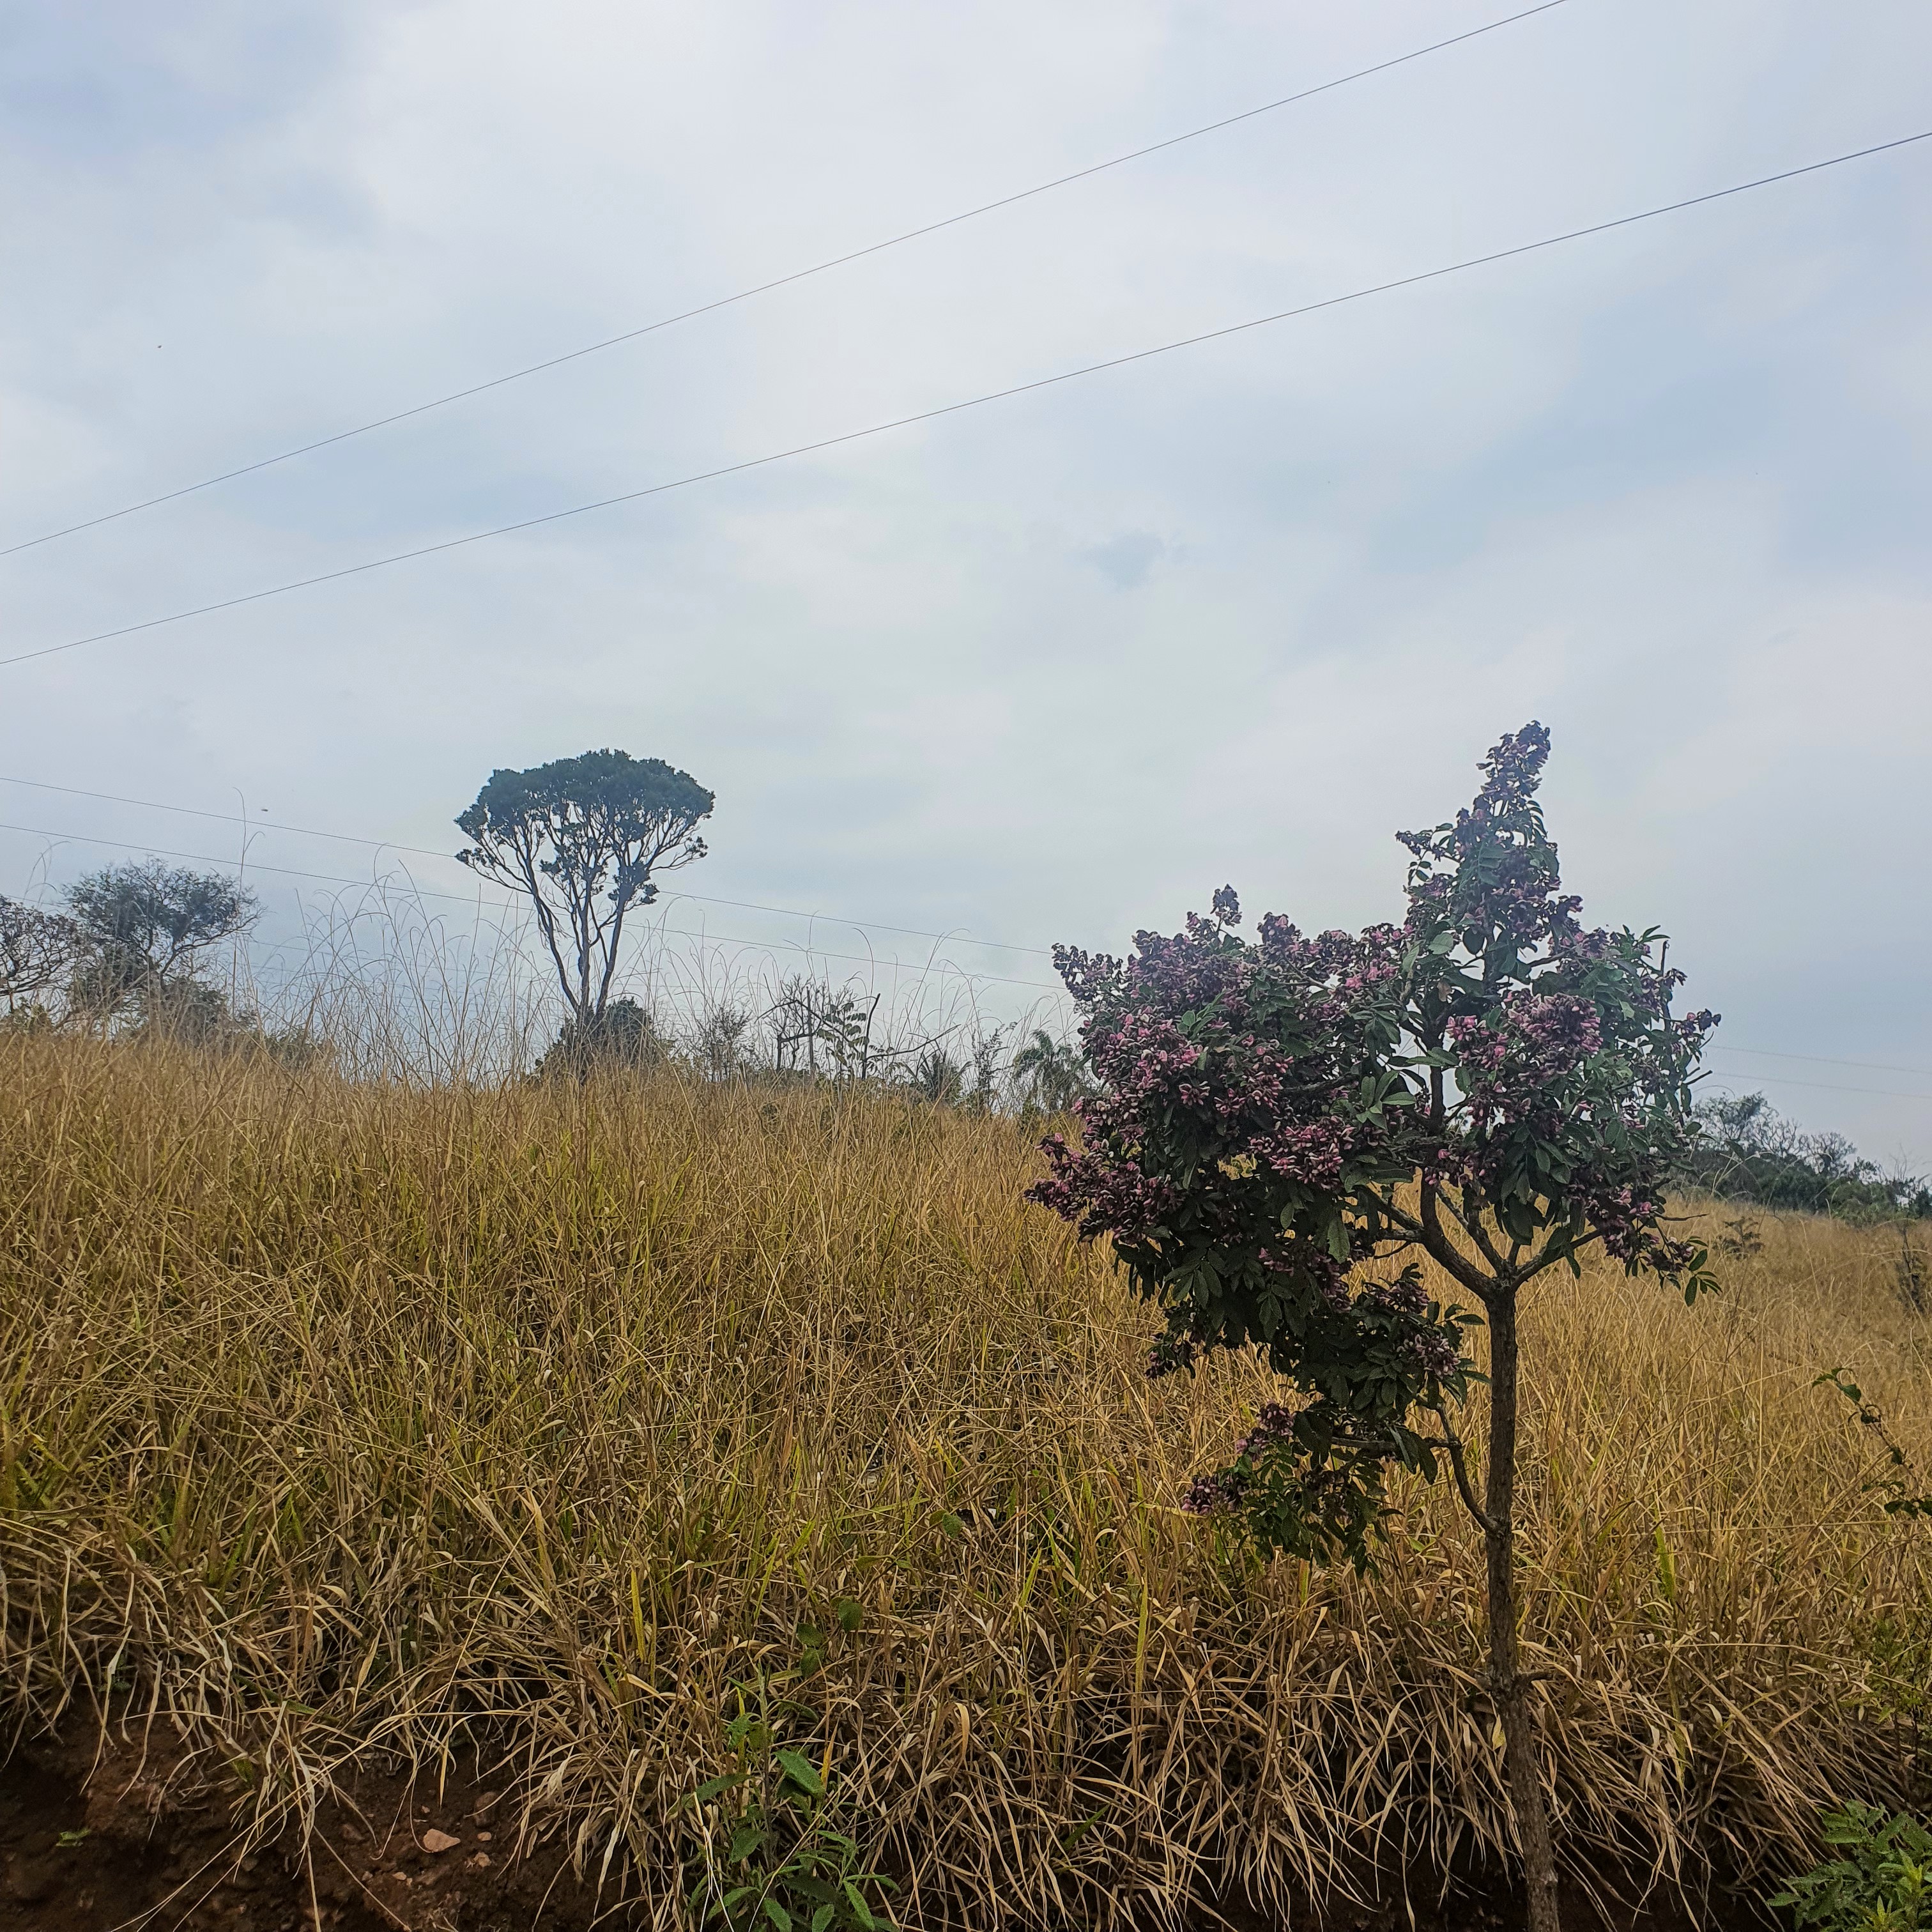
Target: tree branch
1472 1225
1443 1250
1396 1217
1453 1444
1556 1249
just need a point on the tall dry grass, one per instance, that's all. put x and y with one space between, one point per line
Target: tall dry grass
342 1421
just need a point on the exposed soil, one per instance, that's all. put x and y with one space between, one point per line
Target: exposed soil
94 1843
91 1844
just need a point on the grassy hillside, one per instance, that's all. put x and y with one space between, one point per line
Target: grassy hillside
340 1421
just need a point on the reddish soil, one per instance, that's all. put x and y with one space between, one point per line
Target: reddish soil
91 1844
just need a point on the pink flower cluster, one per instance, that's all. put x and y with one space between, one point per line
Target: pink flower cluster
1274 1429
1515 1062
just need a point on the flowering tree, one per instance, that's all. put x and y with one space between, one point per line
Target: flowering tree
1490 1085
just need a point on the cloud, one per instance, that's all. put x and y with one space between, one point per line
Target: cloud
1126 560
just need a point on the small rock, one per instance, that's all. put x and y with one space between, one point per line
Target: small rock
434 1840
480 1862
482 1837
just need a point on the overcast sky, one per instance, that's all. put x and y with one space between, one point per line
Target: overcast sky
1057 667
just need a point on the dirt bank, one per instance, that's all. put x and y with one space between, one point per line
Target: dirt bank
95 1842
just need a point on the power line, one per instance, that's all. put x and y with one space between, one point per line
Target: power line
427 852
783 281
750 905
1830 1086
971 402
425 892
244 865
1824 1060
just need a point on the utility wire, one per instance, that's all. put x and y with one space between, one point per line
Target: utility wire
1824 1060
971 402
783 281
427 852
1830 1086
751 905
462 898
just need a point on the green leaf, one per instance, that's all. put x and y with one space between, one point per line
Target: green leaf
851 1614
821 1918
800 1769
778 1914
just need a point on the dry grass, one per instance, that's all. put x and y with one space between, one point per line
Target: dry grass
343 1421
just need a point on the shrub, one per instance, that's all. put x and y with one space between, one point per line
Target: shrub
1747 1150
1881 1883
623 1035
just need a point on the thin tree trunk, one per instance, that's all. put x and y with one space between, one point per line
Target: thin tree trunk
1511 1693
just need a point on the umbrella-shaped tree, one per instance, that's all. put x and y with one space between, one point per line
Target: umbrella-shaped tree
583 839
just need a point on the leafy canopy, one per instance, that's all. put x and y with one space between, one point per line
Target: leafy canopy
144 924
1489 1083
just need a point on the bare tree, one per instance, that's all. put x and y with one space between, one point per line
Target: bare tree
36 950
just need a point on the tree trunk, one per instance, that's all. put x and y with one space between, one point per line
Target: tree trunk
1511 1693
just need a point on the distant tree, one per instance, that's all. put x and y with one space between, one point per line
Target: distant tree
1489 1084
144 928
582 839
987 1043
195 1014
1749 1151
36 950
1051 1073
721 1047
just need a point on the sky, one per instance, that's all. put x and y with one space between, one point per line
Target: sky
1055 666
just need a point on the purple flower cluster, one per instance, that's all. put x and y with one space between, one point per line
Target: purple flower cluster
1102 1195
1515 1061
1428 1349
1170 1355
1402 1296
1273 1424
1312 1155
1226 1489
1222 1489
